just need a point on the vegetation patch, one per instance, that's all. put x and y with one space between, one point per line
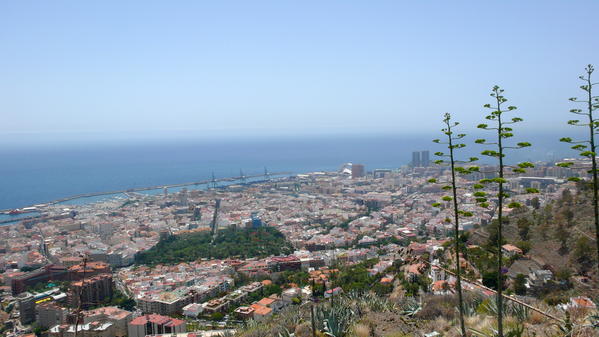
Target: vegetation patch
229 243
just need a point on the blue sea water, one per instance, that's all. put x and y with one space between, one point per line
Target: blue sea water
33 175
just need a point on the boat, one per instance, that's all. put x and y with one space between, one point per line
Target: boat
16 211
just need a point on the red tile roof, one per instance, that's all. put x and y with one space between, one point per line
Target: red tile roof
157 319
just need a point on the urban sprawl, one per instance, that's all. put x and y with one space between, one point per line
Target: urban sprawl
81 255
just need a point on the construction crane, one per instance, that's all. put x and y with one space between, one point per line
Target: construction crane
266 174
214 181
241 176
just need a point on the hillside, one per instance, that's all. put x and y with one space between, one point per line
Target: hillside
555 233
228 243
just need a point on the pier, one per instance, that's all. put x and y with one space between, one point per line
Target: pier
18 219
242 178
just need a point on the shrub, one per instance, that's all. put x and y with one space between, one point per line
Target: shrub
555 300
217 316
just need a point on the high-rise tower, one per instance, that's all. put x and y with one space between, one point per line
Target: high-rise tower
27 305
425 162
357 171
415 158
183 196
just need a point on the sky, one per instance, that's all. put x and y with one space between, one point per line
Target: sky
91 70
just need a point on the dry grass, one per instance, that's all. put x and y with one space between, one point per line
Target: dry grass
397 294
438 306
303 330
361 330
578 315
536 318
484 324
442 326
473 320
439 315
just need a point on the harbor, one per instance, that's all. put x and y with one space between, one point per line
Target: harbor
5 216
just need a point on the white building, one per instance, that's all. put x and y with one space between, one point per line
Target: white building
95 329
582 302
539 276
193 310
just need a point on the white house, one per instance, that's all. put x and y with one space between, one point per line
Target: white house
333 292
582 302
193 310
437 274
511 250
539 276
290 294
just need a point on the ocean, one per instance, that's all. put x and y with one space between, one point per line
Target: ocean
33 175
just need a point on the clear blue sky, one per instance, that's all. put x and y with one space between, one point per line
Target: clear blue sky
87 67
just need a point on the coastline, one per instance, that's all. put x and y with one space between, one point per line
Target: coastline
226 181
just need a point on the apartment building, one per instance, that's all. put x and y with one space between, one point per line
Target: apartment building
92 291
49 314
155 325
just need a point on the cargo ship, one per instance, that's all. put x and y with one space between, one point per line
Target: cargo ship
21 211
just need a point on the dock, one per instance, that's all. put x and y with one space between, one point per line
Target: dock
86 195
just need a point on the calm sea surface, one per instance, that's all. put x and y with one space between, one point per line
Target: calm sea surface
36 175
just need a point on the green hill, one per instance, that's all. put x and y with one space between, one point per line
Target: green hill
229 243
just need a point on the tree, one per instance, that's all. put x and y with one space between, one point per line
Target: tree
569 216
523 229
217 316
425 283
525 246
382 289
465 236
272 289
38 330
592 104
564 275
490 279
519 285
504 132
535 203
452 145
566 197
127 304
493 241
582 253
544 228
254 297
583 186
561 233
413 288
445 286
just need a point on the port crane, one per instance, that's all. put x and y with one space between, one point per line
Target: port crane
214 181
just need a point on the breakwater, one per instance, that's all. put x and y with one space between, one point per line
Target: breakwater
86 195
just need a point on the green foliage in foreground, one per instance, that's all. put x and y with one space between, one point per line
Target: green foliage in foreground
259 242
